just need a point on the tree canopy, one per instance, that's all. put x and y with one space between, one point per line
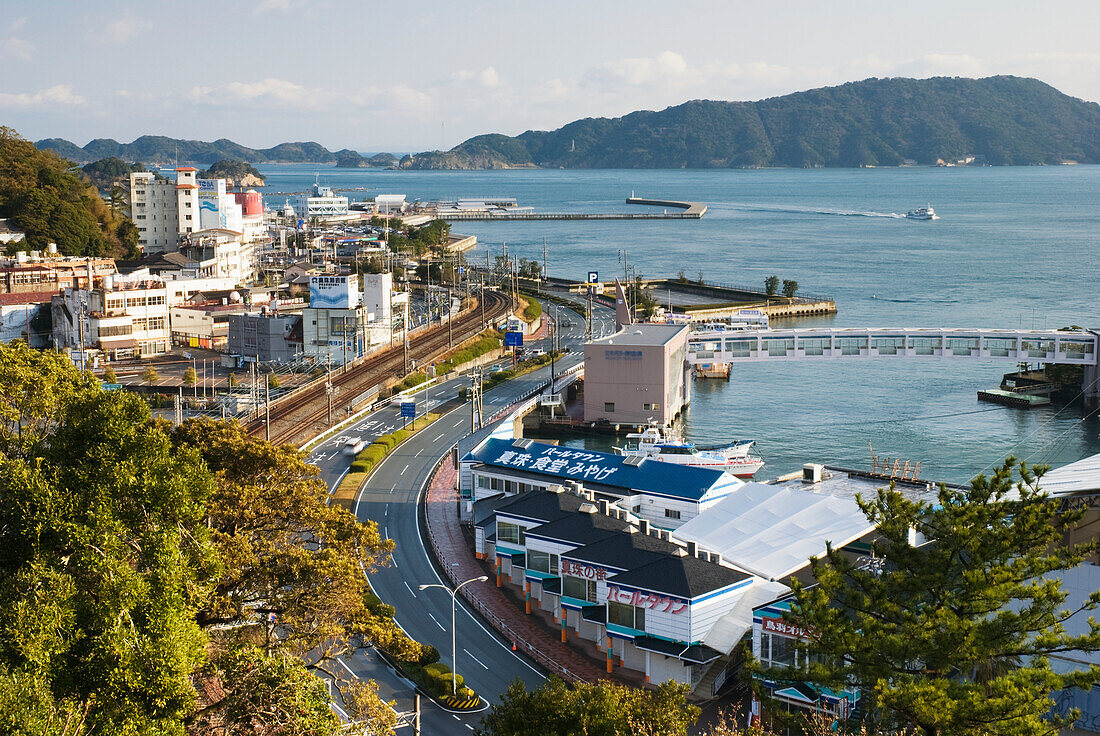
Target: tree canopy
953 635
600 709
170 581
45 196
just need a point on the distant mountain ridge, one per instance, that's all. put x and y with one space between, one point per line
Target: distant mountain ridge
161 149
875 122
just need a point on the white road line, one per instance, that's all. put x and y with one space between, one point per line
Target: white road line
404 469
349 669
455 717
460 422
475 658
393 488
437 439
434 618
469 727
418 452
407 586
386 531
337 483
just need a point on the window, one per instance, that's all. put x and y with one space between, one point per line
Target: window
609 406
626 615
542 562
512 533
651 407
579 588
672 514
777 651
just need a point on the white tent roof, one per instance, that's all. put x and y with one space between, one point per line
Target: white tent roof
729 629
773 531
1082 476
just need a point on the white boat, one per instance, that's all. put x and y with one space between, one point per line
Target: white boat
922 213
734 458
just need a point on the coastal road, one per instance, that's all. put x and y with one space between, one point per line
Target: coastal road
390 498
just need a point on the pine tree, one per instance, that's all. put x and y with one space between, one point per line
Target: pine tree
953 635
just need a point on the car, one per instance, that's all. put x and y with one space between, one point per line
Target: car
536 353
496 369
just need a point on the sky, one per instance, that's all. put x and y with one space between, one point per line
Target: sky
414 76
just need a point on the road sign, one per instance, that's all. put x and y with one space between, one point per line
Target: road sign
408 410
593 277
111 386
513 339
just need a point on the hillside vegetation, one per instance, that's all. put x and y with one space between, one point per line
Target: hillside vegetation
997 120
46 197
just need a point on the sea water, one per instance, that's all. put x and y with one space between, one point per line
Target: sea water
1015 247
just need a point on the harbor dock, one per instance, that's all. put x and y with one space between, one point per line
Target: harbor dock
685 211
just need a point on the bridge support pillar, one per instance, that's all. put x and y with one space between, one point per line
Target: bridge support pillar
1090 385
1090 380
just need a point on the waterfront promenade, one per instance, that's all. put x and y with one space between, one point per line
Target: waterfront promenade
686 211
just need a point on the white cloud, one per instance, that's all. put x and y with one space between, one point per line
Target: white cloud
281 6
488 77
16 48
126 27
57 95
663 68
17 25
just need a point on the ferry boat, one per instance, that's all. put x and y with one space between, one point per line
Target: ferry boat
734 458
922 213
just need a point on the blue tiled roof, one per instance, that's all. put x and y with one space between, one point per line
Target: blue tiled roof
594 469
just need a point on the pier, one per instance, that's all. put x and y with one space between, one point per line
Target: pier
687 211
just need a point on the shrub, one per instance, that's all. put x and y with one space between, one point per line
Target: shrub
465 693
429 655
400 436
437 668
358 466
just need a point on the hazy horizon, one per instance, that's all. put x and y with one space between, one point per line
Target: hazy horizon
382 78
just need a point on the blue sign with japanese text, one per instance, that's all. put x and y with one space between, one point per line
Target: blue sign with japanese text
513 339
408 410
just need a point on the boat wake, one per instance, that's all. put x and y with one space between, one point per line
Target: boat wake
816 211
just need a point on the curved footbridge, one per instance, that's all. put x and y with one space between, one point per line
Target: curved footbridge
1064 347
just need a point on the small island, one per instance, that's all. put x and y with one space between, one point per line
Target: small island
349 159
239 174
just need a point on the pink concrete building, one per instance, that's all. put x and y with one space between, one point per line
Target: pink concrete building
637 375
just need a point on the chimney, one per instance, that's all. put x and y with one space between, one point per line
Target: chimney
643 526
603 507
692 549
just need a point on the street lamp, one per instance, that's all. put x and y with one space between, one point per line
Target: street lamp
454 598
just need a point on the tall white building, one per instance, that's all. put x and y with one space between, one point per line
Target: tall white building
165 211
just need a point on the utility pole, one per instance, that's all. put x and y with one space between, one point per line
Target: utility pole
405 331
267 408
83 311
481 299
450 327
344 341
477 418
543 274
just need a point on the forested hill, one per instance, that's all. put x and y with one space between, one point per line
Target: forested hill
996 120
160 149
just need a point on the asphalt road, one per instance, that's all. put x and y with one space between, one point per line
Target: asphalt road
390 498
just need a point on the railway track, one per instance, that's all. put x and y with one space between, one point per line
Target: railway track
305 413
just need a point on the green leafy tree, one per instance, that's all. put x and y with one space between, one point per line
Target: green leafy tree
771 285
268 500
953 636
273 380
103 555
150 375
190 378
233 381
790 288
600 709
109 375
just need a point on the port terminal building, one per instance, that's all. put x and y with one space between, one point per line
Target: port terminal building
637 375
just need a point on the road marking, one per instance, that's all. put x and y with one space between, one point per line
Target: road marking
349 669
337 483
469 727
386 531
460 423
475 658
407 586
404 469
437 439
393 488
418 452
434 618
